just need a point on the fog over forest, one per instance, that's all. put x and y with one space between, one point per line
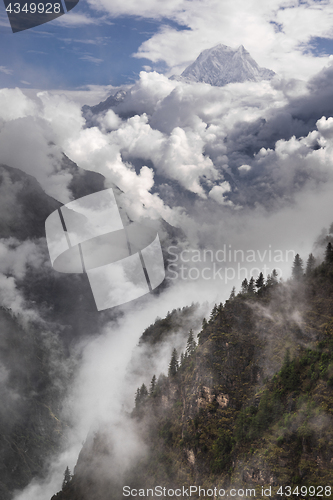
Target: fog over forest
235 179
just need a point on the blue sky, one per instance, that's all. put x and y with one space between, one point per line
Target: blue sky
55 56
94 43
321 46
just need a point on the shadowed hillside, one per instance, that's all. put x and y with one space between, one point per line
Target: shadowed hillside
247 405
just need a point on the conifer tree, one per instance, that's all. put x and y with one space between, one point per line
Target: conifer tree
141 395
297 269
219 312
245 286
271 279
214 313
233 293
329 253
260 281
152 385
67 477
201 335
173 365
310 265
137 398
250 287
191 344
143 392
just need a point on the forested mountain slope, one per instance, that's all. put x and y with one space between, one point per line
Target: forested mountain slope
249 405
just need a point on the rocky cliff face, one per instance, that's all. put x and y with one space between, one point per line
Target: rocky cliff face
33 384
24 205
111 102
38 334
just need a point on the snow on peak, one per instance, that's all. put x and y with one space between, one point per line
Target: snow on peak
221 65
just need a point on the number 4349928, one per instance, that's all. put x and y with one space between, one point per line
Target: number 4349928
33 8
318 491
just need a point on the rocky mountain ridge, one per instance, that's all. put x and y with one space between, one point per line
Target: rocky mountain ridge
217 66
221 65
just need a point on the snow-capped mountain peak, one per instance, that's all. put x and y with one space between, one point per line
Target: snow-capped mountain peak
221 65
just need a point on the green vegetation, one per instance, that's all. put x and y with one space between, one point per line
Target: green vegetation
249 403
252 402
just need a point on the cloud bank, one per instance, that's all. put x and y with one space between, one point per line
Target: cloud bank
287 26
247 167
245 162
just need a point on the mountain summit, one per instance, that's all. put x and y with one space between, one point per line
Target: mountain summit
221 65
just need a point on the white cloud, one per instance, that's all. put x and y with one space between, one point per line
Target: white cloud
87 94
217 193
92 59
6 70
103 391
14 104
11 298
76 19
244 168
16 255
110 121
26 143
146 8
284 25
96 151
63 115
193 135
28 135
213 150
